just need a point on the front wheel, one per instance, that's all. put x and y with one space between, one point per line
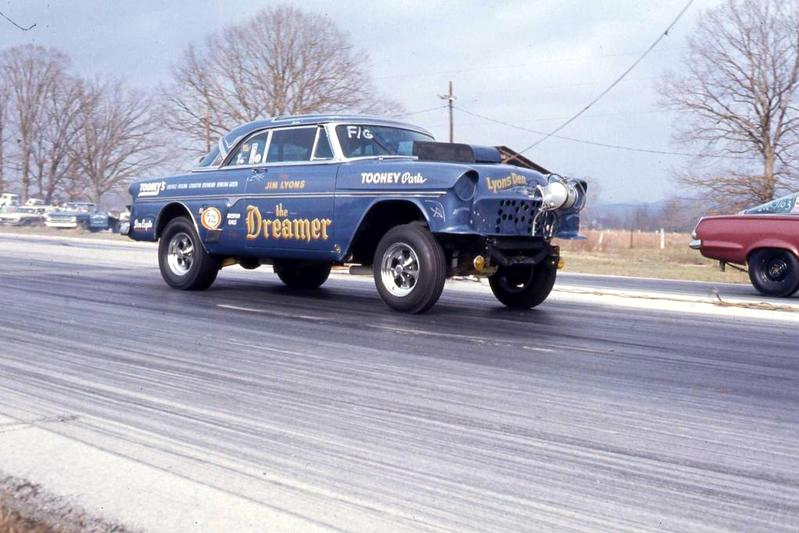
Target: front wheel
774 272
183 261
523 286
409 268
302 275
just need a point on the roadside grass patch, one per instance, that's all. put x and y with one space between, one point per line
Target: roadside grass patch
26 507
625 253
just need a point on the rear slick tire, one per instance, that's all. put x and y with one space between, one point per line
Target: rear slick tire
523 286
298 275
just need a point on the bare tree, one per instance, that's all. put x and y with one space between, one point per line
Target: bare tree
31 73
283 61
117 139
54 161
4 98
738 97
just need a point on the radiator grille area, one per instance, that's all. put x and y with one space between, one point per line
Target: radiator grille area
505 217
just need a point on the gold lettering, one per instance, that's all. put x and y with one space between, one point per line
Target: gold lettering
302 229
286 232
253 222
298 229
325 224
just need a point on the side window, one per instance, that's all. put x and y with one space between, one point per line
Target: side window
291 145
251 151
323 149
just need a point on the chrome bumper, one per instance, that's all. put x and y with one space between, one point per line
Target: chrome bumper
695 244
61 225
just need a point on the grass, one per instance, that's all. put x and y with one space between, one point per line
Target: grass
12 522
609 252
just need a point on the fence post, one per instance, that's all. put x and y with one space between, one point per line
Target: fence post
662 238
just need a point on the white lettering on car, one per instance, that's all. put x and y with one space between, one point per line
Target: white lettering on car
153 188
357 132
392 178
145 224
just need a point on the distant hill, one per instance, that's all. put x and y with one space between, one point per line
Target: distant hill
673 214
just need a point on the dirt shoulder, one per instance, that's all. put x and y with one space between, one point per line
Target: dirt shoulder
27 508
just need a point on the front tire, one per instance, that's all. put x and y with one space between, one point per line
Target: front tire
409 268
183 261
302 275
774 272
523 286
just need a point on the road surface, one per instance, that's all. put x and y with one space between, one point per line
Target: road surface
325 411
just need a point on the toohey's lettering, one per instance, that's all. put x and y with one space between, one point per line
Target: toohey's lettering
392 178
151 189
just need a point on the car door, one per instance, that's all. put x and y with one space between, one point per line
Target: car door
290 197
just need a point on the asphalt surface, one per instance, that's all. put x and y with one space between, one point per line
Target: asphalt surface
739 291
572 417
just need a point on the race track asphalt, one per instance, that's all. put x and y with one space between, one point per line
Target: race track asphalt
572 417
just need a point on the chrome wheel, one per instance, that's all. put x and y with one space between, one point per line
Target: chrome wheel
180 254
399 269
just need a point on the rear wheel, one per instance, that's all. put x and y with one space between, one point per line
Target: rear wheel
774 272
409 268
298 275
523 286
183 261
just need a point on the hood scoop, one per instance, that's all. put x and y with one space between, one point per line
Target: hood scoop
455 152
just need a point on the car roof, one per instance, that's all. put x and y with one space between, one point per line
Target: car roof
302 120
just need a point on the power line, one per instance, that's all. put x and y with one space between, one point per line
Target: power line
616 81
525 65
603 145
419 112
23 28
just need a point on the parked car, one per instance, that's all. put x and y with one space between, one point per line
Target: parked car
23 216
9 200
765 238
305 193
72 215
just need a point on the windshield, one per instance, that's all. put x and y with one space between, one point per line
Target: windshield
359 140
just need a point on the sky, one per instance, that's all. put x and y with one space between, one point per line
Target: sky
530 63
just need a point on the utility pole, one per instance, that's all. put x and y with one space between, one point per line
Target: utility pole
449 98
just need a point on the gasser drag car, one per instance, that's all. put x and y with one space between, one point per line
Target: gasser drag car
765 238
305 193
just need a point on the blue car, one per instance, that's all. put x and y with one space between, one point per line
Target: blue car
305 193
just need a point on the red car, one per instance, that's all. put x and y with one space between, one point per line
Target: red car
765 238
